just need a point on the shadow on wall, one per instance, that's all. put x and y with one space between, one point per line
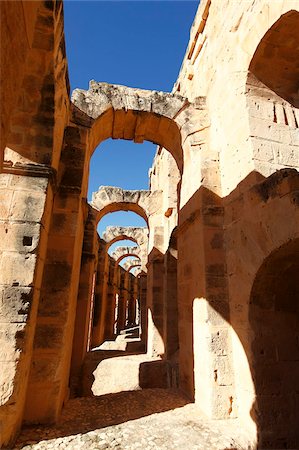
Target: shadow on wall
274 319
245 270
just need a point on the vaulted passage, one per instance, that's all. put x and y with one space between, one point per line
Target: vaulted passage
155 310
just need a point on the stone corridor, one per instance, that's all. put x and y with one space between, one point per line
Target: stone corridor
146 419
101 352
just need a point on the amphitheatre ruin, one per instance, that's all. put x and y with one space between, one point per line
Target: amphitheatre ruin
193 342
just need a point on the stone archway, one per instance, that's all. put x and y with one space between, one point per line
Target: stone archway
121 112
110 273
109 199
274 318
131 263
113 234
123 252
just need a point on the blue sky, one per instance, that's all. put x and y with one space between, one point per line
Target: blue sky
135 43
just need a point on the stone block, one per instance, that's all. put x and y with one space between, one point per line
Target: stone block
27 206
21 237
48 337
218 342
6 196
223 372
12 337
57 275
7 381
17 269
27 183
15 303
44 369
53 302
65 223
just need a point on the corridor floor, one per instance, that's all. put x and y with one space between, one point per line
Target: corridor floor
145 419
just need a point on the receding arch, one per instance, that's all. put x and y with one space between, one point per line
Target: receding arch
129 265
121 238
113 234
127 255
274 319
121 252
120 112
109 199
122 206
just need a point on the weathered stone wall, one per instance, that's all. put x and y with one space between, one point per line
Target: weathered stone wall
223 41
240 58
35 106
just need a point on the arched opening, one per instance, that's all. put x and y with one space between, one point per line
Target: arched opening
114 300
273 96
274 318
126 257
275 61
119 221
120 112
123 238
113 164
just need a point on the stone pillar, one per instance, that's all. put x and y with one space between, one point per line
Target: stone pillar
85 300
205 349
110 304
33 117
97 332
26 199
155 273
122 301
49 375
142 286
132 300
104 303
170 315
117 288
136 299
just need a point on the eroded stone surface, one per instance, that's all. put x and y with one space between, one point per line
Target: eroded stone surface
109 198
102 96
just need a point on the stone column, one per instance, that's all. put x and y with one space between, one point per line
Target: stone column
142 305
97 333
136 300
117 289
104 302
132 300
85 300
26 199
205 348
49 375
170 315
155 273
110 304
122 301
